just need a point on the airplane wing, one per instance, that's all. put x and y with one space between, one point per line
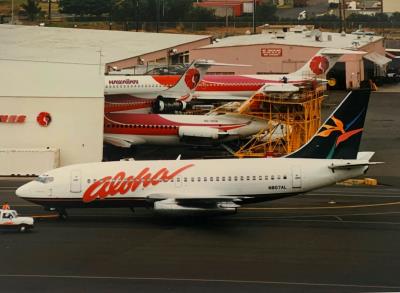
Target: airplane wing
122 142
186 204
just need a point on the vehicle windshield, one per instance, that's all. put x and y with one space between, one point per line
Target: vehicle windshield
44 179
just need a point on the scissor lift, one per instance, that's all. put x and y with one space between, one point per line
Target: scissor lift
294 118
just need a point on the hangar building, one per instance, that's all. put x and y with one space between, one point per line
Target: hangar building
52 89
51 114
118 49
286 52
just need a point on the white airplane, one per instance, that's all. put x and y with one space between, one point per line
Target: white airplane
138 93
216 186
131 89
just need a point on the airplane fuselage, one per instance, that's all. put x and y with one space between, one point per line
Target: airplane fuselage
173 129
141 183
149 87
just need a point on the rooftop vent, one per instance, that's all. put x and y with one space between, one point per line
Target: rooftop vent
318 35
330 38
280 35
343 33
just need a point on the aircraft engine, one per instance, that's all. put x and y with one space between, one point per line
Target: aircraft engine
172 208
194 131
161 105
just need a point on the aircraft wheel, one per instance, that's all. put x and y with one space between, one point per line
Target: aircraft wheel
63 215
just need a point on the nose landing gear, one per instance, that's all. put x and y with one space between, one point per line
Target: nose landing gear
62 213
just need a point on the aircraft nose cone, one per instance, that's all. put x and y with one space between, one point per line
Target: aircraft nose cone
22 191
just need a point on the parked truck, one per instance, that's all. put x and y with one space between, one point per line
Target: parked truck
9 219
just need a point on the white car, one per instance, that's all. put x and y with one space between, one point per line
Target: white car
9 220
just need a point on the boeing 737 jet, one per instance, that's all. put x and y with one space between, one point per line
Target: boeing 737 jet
215 186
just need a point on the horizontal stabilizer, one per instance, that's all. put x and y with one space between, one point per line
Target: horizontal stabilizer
203 62
337 51
279 87
365 155
349 165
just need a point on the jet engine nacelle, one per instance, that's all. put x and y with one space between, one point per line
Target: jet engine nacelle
195 131
161 105
170 207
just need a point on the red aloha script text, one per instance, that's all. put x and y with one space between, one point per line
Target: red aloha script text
120 184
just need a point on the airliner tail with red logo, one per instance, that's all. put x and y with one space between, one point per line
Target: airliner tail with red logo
215 186
136 93
240 87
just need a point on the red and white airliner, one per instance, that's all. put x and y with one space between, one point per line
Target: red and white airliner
216 186
128 129
137 93
225 87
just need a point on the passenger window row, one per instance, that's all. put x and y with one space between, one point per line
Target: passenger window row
207 179
135 85
140 126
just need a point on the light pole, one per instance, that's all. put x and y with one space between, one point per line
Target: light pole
49 10
254 17
12 11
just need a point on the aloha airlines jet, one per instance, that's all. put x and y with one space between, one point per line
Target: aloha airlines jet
216 185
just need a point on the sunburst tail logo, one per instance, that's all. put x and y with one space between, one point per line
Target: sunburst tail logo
44 119
192 78
319 65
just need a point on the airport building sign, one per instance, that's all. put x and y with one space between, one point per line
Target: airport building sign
12 118
271 52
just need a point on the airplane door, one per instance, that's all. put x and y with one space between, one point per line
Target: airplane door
76 181
296 177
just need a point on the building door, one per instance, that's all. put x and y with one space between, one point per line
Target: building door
296 177
76 181
338 72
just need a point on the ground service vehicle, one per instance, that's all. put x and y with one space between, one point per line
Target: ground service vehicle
9 219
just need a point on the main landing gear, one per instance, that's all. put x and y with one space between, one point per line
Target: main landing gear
62 213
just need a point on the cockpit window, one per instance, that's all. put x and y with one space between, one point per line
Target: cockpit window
44 179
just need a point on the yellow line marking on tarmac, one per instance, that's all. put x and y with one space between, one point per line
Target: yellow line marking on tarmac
201 280
325 208
45 216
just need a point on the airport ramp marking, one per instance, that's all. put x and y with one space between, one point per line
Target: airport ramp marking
323 207
199 280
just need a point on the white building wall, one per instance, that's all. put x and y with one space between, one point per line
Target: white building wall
76 127
390 6
73 96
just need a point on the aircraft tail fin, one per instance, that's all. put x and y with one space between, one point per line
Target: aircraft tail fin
187 84
340 136
322 62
